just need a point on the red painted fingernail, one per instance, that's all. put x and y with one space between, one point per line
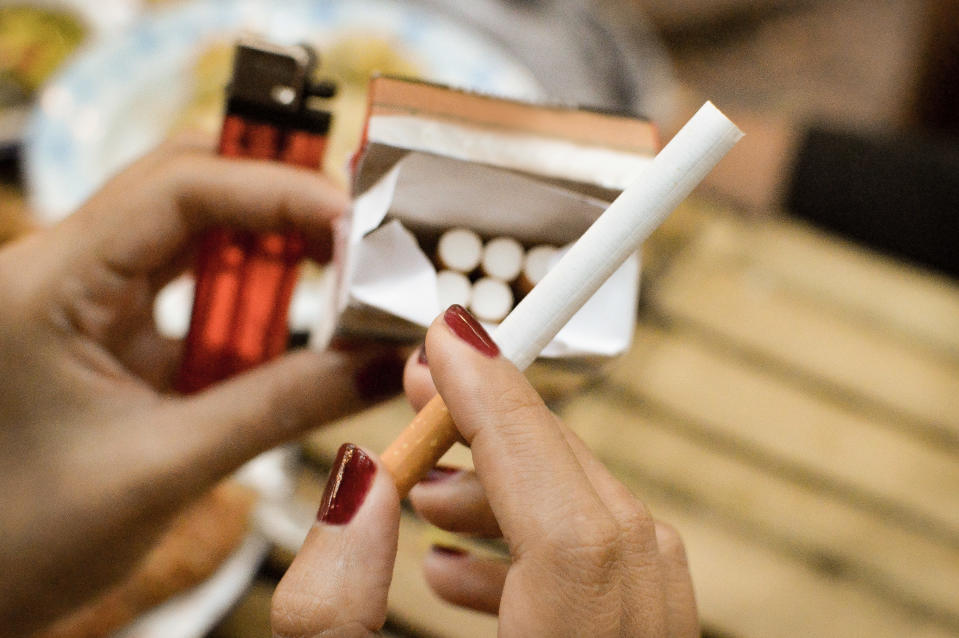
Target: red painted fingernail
347 487
440 473
467 328
449 550
381 377
421 356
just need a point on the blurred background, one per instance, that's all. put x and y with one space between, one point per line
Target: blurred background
791 401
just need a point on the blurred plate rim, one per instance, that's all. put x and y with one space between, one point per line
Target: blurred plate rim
58 165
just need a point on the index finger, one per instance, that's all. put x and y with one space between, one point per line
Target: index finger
143 219
536 486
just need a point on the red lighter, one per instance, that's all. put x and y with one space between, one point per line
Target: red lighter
244 281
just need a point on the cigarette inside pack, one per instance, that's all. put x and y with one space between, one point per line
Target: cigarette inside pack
467 198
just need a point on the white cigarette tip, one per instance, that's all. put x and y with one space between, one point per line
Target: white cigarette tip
710 118
710 110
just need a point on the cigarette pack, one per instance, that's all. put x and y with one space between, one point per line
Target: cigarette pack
435 158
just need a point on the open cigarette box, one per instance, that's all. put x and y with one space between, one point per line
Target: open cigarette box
435 159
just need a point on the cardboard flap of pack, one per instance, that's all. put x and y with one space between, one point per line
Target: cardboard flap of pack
435 158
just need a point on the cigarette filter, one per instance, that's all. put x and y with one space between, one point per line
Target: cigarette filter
605 245
244 281
453 288
502 258
536 264
492 299
459 249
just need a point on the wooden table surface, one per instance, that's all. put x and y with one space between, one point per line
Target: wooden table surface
790 403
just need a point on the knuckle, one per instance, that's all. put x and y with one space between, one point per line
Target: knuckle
178 169
637 521
183 168
504 412
304 616
589 550
515 404
289 620
671 543
171 176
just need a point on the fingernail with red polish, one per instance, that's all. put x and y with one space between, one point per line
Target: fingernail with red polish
467 328
440 473
347 487
381 377
421 356
449 551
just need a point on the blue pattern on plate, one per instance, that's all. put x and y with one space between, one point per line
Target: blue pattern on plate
117 97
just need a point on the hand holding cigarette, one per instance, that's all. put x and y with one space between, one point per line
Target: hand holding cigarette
562 514
560 511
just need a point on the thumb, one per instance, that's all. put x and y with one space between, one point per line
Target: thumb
217 430
339 581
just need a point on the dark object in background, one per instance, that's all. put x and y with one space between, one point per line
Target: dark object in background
936 105
898 194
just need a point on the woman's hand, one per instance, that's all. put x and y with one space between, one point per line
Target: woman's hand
587 559
96 456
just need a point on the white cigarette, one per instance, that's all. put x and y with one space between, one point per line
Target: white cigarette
453 288
616 234
459 249
492 300
502 258
612 238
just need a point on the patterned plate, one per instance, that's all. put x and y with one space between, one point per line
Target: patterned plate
119 97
